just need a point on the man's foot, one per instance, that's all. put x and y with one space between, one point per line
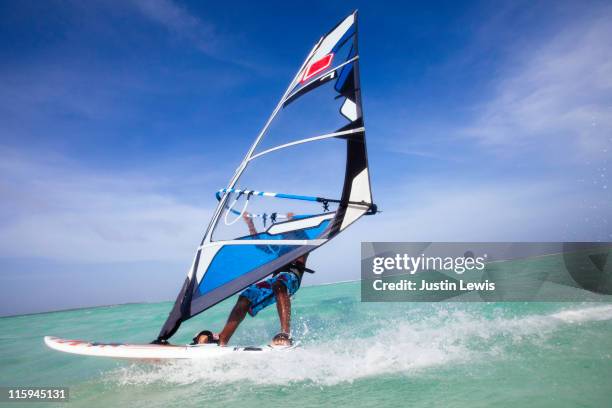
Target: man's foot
206 337
282 339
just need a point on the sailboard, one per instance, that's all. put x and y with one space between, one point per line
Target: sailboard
304 180
154 352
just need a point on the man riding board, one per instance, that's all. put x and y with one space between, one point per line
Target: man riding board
276 289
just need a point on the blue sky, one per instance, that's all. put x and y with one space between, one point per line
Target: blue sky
485 121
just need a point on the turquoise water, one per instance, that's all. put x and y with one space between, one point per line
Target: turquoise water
352 354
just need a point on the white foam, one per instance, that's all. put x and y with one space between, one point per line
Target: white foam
595 313
399 346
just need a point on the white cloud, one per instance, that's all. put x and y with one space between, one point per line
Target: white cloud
436 211
178 20
214 41
55 209
557 93
168 13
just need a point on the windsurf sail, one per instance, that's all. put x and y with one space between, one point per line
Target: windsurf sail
312 148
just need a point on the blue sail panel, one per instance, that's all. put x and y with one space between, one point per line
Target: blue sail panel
233 261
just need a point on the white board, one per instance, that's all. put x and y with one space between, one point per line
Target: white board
150 351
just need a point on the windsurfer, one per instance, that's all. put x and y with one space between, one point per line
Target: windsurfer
276 289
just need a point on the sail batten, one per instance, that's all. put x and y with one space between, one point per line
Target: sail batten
310 139
323 100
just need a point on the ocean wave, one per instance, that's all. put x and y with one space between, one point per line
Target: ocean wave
400 345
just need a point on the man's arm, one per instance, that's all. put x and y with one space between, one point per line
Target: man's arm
250 224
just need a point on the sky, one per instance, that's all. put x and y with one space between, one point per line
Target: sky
486 121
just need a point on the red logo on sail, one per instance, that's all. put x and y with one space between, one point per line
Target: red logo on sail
318 66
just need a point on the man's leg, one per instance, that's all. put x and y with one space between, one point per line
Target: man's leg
233 321
283 306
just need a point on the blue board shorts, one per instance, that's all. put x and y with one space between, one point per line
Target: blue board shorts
261 294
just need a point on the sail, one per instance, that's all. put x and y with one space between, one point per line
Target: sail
304 180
